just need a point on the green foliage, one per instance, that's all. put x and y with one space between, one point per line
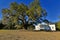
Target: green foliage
17 12
35 9
58 25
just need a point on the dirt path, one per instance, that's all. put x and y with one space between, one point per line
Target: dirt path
26 35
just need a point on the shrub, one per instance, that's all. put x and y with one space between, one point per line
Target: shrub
30 28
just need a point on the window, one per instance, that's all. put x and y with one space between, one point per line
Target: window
52 27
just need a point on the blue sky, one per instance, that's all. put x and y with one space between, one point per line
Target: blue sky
52 7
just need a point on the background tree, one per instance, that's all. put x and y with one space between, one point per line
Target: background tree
58 25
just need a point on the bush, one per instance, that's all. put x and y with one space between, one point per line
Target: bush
30 28
18 26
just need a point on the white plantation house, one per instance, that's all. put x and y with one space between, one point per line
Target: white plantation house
45 26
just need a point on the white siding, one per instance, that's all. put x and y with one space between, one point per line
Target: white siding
37 27
52 26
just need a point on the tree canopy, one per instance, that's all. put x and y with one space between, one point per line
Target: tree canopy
20 14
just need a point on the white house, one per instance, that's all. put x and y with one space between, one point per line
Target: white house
53 27
45 26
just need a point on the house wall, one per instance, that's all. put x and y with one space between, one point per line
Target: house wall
37 27
52 26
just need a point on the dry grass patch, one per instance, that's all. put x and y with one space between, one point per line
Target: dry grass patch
28 35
